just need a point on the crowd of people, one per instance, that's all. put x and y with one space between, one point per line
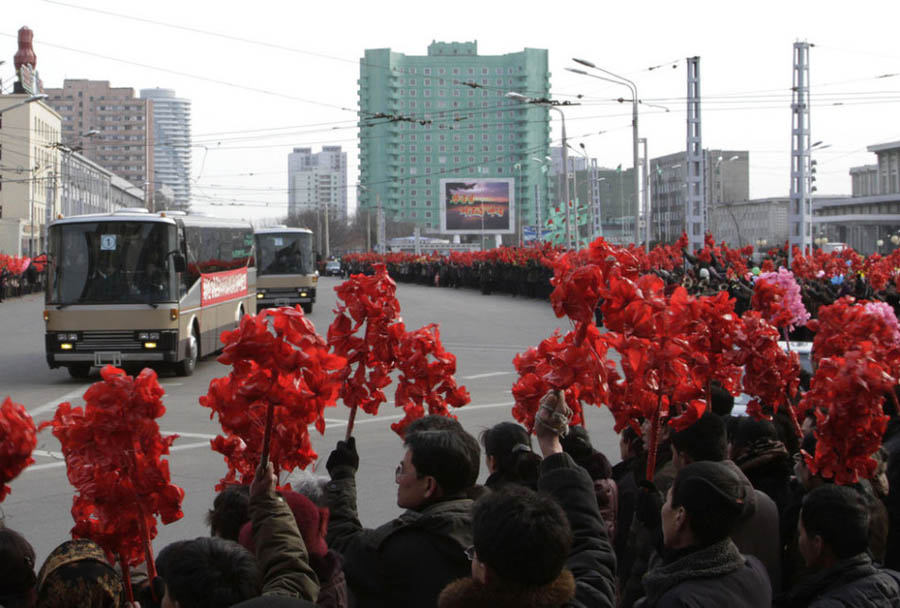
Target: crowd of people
732 517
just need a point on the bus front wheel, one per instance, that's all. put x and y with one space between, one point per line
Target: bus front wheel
186 366
307 307
79 370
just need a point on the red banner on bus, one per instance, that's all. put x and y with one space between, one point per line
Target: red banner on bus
217 287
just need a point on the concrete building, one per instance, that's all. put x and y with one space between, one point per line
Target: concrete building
749 222
318 182
872 211
576 161
29 170
726 179
109 126
171 143
86 187
446 114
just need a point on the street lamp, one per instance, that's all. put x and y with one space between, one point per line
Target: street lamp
547 104
537 198
634 127
25 101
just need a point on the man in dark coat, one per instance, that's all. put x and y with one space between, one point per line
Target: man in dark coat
700 564
407 561
539 550
757 531
833 539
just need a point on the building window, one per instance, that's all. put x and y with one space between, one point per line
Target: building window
455 71
441 71
426 71
428 214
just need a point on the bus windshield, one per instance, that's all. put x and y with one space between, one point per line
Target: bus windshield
285 253
122 262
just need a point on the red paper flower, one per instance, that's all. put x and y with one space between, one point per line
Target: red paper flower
847 395
277 358
426 377
17 440
113 451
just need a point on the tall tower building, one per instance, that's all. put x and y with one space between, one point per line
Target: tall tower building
446 115
318 182
110 126
171 143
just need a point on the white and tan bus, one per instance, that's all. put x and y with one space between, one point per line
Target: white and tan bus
286 268
134 287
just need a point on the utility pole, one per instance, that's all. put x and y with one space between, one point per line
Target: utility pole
695 212
537 202
379 225
799 208
646 198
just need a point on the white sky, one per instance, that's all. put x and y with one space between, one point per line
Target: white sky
280 98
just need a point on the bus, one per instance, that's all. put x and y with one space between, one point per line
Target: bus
135 287
285 268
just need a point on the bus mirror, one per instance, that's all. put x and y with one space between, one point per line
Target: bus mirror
179 262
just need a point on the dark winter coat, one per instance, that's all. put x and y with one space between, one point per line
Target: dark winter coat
714 576
282 555
758 532
330 570
892 447
589 577
405 562
851 583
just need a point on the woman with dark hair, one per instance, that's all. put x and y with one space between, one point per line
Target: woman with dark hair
16 570
509 458
77 575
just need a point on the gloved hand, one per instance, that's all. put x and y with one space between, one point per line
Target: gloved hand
343 455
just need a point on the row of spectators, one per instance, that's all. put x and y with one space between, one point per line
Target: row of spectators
732 517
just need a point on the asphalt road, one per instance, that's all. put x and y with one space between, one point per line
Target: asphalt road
484 332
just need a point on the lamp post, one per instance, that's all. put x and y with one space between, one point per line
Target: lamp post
565 155
537 199
634 128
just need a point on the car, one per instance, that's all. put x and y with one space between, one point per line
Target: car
332 268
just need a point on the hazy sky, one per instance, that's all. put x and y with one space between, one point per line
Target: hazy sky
292 79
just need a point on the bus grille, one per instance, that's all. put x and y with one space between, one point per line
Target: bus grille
107 340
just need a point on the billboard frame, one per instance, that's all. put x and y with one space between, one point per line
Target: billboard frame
511 208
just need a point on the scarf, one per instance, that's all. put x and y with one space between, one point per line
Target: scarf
714 560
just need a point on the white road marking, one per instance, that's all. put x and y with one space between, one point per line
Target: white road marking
47 453
51 405
487 375
205 444
192 435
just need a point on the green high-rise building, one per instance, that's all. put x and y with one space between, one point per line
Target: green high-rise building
446 115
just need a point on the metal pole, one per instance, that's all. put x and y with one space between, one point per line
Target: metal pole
537 204
576 230
646 198
637 177
327 243
565 159
368 230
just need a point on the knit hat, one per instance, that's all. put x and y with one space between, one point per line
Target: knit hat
306 514
708 486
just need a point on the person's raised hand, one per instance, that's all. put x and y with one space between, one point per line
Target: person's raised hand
552 422
264 481
343 455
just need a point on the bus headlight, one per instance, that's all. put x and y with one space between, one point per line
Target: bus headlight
64 337
148 335
150 345
260 295
302 294
65 346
